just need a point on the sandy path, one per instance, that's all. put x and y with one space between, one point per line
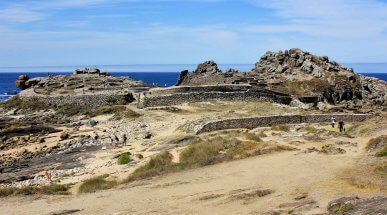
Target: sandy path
288 174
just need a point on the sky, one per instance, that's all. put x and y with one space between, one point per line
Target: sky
111 32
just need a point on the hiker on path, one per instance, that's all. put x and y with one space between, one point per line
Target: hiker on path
333 120
124 139
341 126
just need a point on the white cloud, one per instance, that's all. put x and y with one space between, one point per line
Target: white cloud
19 14
335 18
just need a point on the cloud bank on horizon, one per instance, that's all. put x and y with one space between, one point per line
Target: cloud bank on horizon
70 32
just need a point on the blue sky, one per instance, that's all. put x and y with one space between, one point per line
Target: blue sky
95 32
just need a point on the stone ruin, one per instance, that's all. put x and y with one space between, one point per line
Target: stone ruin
92 71
89 87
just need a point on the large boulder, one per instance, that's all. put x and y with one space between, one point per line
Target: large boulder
21 82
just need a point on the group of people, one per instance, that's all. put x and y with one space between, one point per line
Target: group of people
114 140
341 124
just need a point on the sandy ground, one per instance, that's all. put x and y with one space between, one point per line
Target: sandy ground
301 182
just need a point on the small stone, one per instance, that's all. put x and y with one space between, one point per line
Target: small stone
64 136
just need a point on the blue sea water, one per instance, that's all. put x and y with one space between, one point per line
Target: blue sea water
160 75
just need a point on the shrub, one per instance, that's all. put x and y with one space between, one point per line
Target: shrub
157 165
253 137
280 128
202 154
364 131
382 153
52 189
97 183
214 148
124 158
377 142
310 130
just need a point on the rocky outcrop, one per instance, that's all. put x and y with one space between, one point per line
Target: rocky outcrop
300 73
207 73
357 206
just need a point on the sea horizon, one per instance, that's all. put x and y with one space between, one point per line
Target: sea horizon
242 67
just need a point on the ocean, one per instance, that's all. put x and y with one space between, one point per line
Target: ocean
160 75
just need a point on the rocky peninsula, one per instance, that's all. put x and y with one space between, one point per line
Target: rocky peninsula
251 142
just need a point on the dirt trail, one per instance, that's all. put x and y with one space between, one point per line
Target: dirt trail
209 190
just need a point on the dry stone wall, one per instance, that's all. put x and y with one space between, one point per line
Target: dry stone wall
92 100
265 121
180 95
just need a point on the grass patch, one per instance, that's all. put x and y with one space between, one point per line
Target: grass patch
209 150
127 114
52 189
310 130
124 158
364 131
17 103
378 143
284 128
159 164
382 153
97 183
342 209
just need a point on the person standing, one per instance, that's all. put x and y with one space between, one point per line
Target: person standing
124 139
341 126
333 121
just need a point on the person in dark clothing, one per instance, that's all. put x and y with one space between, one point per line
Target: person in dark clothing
341 126
124 139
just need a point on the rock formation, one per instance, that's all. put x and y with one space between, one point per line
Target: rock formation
21 82
207 73
300 74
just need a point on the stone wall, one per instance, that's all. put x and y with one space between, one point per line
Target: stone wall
198 89
266 121
93 100
201 94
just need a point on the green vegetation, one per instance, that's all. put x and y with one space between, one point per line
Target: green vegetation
378 143
344 208
124 158
209 150
16 103
161 163
97 183
304 88
364 131
126 114
311 130
284 128
52 189
382 153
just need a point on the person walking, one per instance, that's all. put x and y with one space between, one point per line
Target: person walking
333 121
341 126
124 139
